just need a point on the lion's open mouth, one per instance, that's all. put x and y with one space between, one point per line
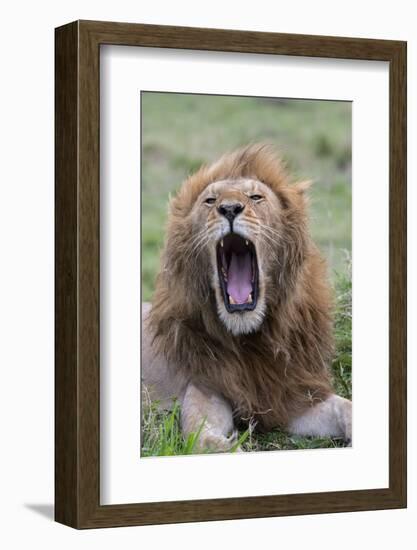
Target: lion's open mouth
238 273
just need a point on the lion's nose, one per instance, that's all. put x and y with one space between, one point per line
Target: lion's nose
230 210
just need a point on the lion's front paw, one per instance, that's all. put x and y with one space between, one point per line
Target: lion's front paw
212 441
330 418
345 420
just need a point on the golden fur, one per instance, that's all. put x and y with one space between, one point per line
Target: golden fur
271 364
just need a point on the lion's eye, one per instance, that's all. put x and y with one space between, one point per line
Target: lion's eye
256 197
210 200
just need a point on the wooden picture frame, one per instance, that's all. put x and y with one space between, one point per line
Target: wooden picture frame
77 372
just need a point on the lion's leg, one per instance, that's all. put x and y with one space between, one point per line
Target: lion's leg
162 382
330 418
209 411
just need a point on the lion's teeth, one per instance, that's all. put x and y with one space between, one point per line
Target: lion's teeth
247 243
221 243
249 299
224 273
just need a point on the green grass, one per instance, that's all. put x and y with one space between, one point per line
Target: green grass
179 133
161 432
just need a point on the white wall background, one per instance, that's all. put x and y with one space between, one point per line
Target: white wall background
26 272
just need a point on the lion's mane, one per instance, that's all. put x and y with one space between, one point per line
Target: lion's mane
282 368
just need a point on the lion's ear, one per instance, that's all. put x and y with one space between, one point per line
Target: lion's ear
303 186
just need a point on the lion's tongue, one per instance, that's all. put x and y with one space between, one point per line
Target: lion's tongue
239 277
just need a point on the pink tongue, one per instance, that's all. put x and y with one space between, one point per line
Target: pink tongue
239 277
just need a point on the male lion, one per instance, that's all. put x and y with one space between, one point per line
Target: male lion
240 326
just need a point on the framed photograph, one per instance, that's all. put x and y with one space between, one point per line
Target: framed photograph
230 274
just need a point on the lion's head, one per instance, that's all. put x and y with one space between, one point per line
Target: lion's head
236 238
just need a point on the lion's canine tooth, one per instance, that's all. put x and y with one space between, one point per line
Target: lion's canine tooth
247 243
231 300
249 299
221 243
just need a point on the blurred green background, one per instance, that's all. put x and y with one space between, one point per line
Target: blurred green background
182 131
